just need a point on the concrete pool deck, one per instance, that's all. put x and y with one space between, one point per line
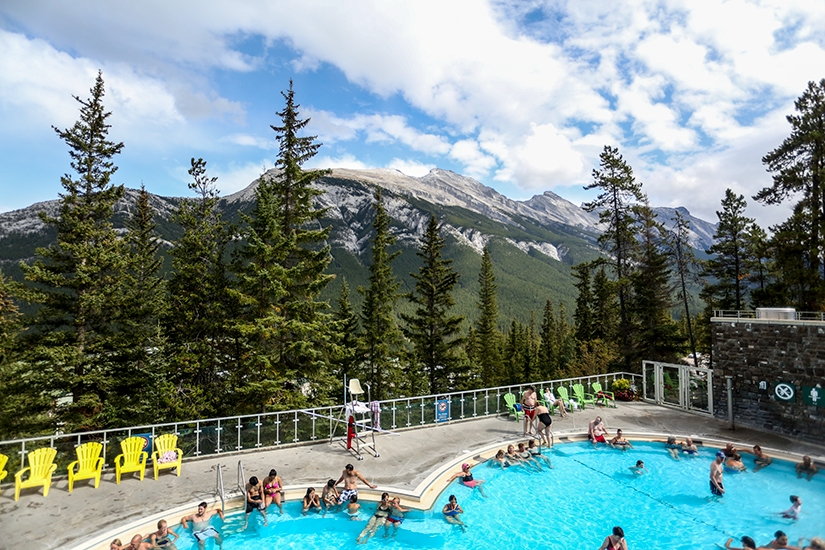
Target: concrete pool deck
409 462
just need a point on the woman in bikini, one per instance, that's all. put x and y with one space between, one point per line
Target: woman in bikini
615 541
329 496
274 490
619 442
254 499
378 519
160 538
451 511
395 518
311 500
467 479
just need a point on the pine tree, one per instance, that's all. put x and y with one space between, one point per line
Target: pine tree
381 337
584 315
605 308
729 251
759 266
433 332
73 339
198 324
345 364
139 393
281 272
620 192
657 337
549 349
686 268
798 167
487 335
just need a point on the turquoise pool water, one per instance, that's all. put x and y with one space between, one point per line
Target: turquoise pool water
573 506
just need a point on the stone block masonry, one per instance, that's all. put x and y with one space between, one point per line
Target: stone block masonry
778 370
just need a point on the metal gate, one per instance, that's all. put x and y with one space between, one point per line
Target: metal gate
682 386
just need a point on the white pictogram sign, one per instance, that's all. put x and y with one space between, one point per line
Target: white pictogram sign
784 392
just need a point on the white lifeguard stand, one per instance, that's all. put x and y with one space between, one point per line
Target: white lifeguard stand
356 417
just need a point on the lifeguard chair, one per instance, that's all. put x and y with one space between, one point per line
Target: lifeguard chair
356 415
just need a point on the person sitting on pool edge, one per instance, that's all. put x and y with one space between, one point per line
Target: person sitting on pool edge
254 499
201 529
274 490
615 541
467 479
451 511
747 544
806 467
619 442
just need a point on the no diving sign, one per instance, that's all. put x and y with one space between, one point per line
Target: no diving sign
783 391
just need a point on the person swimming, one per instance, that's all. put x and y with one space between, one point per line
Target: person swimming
793 511
639 468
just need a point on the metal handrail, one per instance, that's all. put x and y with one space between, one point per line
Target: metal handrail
752 314
241 478
220 490
213 436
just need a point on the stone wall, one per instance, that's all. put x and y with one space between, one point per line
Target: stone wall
770 352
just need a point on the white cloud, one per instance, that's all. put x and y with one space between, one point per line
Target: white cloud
468 153
233 177
344 161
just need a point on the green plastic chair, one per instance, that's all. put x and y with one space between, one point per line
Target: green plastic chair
510 400
606 397
582 397
561 391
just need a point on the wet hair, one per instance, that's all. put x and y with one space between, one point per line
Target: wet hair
757 448
353 498
748 542
671 440
640 463
794 499
452 498
331 483
531 443
500 452
161 522
310 490
618 431
272 473
349 467
253 480
779 533
618 532
520 446
116 541
202 505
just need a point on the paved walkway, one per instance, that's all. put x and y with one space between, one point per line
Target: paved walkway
90 518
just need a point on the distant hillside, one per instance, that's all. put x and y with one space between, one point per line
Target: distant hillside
532 243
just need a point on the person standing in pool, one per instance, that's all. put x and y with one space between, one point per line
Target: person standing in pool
201 529
528 406
467 479
160 538
614 541
760 459
395 518
451 513
716 486
806 467
378 519
350 477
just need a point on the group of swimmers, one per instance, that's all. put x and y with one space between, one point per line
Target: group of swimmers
526 456
165 537
779 542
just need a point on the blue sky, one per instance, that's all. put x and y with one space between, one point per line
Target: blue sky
519 95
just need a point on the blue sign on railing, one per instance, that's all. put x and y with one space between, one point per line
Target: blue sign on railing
442 410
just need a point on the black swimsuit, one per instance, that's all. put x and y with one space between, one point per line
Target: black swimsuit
545 419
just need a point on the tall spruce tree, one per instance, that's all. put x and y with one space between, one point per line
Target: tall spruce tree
288 332
346 318
433 331
203 346
727 266
657 337
685 266
798 168
583 316
487 335
73 339
140 393
381 337
620 193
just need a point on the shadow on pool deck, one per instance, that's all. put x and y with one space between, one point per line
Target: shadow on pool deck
64 520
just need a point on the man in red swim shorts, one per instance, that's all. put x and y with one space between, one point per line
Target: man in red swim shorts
528 406
596 430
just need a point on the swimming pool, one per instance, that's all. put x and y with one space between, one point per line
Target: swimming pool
573 506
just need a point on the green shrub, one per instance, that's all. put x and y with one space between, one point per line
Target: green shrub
622 384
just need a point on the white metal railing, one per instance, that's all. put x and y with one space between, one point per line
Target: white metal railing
219 488
215 436
782 314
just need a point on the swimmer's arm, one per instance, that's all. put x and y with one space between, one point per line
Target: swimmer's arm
219 512
173 534
183 521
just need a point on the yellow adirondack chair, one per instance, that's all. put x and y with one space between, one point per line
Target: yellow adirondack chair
89 463
133 458
3 472
167 443
41 467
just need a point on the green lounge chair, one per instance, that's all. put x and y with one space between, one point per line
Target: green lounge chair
510 400
604 396
582 397
561 391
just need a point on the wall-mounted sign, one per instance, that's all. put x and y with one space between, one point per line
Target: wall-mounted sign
763 386
442 410
813 395
784 391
